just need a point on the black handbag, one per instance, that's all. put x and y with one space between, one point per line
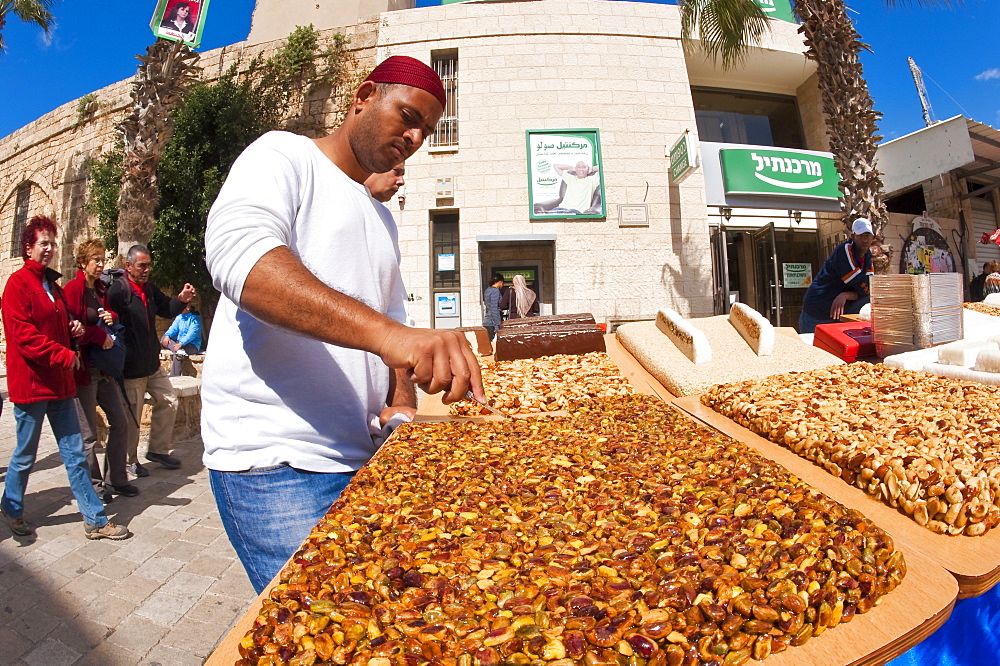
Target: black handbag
110 361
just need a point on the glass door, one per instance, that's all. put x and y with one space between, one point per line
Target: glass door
720 269
766 265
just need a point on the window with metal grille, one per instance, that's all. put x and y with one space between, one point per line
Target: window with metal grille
445 63
20 218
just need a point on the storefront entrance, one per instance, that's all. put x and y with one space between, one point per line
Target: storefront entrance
767 268
534 258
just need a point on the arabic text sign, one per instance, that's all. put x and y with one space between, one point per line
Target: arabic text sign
778 173
564 174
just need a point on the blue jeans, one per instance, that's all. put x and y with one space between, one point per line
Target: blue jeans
66 427
808 323
269 511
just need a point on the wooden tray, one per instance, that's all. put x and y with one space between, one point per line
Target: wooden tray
974 561
903 618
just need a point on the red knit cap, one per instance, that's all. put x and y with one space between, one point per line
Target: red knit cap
410 72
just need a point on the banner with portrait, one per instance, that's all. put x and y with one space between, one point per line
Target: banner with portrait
565 178
180 20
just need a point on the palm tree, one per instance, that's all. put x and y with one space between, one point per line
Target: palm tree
29 11
163 76
727 30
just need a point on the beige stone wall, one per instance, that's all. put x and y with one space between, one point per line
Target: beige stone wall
618 67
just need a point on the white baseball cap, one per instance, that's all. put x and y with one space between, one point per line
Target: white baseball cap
862 226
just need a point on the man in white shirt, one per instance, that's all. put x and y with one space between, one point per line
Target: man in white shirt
581 183
297 388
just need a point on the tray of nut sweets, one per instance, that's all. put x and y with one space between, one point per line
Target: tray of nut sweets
558 383
918 454
623 534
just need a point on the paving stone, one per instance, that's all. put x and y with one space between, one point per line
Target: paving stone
218 610
13 573
82 634
60 546
164 655
206 565
184 551
234 584
14 645
137 634
87 587
199 638
159 568
186 584
51 652
35 625
135 588
109 654
73 564
109 610
114 568
164 609
202 534
178 522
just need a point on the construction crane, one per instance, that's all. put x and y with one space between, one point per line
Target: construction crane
925 103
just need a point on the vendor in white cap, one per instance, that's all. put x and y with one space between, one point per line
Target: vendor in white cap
842 284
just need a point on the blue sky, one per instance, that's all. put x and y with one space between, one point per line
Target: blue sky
94 45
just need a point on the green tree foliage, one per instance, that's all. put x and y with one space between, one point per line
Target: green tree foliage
29 11
213 125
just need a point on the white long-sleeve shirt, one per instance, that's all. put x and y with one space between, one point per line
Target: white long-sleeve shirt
270 396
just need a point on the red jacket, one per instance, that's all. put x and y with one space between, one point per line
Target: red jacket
39 357
92 333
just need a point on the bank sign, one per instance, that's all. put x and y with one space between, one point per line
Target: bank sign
783 173
777 9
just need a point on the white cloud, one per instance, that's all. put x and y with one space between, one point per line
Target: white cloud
988 74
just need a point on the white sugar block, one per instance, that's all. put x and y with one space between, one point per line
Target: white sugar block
961 353
988 360
963 374
689 340
753 327
992 299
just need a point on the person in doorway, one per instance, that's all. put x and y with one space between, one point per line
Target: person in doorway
41 359
842 283
519 300
383 186
183 338
491 299
85 299
137 302
977 286
302 383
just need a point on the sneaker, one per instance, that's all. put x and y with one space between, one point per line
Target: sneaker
137 470
17 525
106 496
128 490
166 460
109 531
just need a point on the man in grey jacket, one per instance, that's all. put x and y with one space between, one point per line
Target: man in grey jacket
491 298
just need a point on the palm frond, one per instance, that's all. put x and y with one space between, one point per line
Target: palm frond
727 29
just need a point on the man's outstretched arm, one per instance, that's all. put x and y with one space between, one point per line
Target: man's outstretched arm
436 360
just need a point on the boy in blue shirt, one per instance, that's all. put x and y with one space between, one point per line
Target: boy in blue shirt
183 338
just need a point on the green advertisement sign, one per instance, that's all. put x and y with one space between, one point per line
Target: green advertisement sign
180 20
777 9
681 158
778 173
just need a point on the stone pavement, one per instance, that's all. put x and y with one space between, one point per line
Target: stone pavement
166 596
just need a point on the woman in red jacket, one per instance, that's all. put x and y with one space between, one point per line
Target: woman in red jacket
85 298
40 365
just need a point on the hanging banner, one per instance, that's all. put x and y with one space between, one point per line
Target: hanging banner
180 20
564 174
777 9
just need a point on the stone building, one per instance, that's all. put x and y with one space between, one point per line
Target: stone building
614 80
